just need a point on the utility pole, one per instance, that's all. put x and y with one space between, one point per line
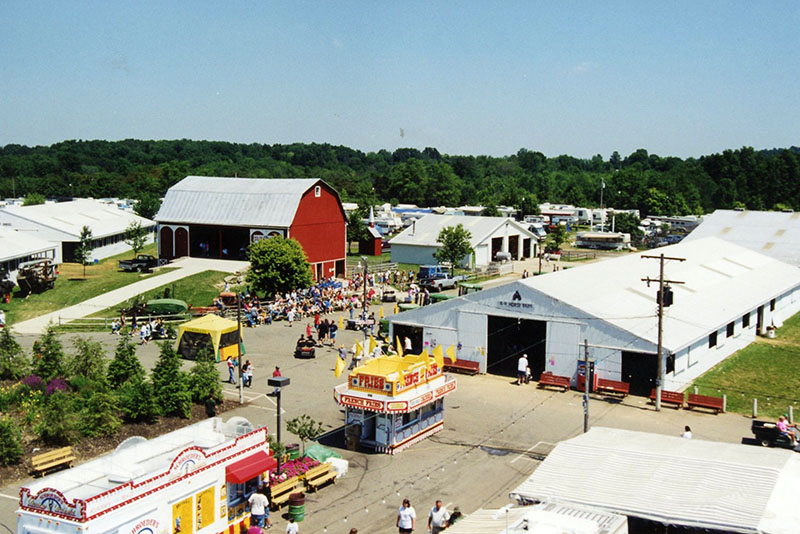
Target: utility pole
661 293
586 384
366 306
239 345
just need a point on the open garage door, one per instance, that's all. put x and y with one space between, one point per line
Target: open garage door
639 369
510 338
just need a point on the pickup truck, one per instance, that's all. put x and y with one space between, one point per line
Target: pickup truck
441 282
142 263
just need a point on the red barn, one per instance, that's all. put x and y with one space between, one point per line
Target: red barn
219 217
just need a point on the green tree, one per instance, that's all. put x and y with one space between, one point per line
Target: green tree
147 205
32 199
204 380
455 245
10 442
170 384
13 362
99 415
356 229
490 210
125 365
88 361
137 401
58 424
557 236
83 252
48 356
527 205
135 237
305 428
628 223
278 265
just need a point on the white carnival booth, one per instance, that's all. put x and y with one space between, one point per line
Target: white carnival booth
193 480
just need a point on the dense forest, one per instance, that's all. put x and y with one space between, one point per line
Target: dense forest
758 180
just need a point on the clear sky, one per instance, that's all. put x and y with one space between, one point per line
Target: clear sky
483 77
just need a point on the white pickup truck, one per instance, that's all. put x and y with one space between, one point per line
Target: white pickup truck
440 283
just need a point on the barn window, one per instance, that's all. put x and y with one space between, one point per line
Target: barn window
712 340
729 329
317 191
670 363
772 305
746 320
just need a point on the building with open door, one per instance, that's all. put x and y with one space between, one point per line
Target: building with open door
212 217
730 295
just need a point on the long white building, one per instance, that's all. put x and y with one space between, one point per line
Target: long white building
730 294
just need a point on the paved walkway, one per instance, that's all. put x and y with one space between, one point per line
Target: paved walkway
185 267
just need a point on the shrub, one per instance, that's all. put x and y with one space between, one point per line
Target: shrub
170 384
33 382
99 416
137 401
13 362
204 380
125 365
48 356
58 424
10 442
56 385
88 360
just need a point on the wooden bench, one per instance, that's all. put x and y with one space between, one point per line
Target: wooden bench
702 401
556 381
670 397
317 476
280 492
466 367
48 461
613 387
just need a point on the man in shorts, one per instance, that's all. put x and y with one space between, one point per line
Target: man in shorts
522 369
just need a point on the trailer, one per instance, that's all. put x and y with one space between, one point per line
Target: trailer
195 480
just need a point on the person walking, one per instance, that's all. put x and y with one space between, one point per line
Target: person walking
438 518
406 518
259 508
275 374
522 369
292 527
247 368
231 371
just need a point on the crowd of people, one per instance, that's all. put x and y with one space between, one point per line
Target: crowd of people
147 330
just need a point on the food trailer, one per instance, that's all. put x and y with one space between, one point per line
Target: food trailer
219 333
193 480
392 402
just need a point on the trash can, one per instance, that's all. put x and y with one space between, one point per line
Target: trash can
293 450
297 506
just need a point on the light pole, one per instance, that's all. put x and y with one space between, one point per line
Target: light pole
365 306
278 382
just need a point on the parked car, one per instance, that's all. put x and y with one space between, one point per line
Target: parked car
142 263
439 284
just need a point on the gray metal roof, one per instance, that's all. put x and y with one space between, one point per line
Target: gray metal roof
19 244
425 231
676 481
254 202
772 233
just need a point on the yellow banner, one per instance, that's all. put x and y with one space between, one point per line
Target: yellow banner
438 357
339 369
451 353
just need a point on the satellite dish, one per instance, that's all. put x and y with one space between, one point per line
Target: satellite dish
129 443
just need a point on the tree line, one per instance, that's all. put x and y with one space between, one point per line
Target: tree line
140 169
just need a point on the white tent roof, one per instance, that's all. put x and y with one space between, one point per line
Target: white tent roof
722 281
702 484
425 231
772 233
234 201
70 217
19 244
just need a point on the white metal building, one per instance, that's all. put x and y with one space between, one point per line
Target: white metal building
19 246
490 235
772 233
730 295
62 222
701 486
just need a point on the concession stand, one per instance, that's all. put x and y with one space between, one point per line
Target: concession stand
392 402
213 331
193 480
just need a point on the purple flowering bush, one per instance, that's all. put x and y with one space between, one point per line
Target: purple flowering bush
33 382
56 385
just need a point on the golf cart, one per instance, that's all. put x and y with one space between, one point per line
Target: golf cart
768 435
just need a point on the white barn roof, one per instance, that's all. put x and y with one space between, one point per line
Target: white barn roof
234 201
70 217
773 233
676 481
20 244
722 281
425 231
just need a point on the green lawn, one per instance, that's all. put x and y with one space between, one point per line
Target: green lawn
197 290
71 288
353 259
768 369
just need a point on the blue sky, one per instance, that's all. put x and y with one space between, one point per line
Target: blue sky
579 78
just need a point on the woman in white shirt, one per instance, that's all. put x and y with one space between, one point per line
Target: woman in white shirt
406 518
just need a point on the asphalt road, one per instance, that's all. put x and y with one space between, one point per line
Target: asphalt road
494 436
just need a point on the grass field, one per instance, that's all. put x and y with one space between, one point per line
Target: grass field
71 288
768 369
